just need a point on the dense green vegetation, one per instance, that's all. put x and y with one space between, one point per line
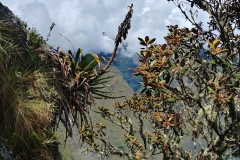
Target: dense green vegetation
26 91
186 97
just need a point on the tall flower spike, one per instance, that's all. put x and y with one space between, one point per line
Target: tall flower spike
122 32
124 27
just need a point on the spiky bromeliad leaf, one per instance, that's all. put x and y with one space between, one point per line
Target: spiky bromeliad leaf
83 89
102 82
98 86
97 59
79 52
101 95
90 61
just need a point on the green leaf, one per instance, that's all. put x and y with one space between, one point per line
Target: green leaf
163 90
224 51
230 85
237 76
153 63
144 53
211 45
171 100
89 62
165 71
163 81
216 42
156 49
164 59
213 62
211 90
172 64
184 69
79 51
97 59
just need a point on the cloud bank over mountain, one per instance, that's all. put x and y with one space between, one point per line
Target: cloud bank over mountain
83 22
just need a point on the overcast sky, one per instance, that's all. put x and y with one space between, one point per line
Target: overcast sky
84 21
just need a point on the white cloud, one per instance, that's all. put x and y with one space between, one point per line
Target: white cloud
83 22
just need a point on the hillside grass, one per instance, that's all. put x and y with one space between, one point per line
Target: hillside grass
26 93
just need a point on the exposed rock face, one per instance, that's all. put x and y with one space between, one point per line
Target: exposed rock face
5 13
4 154
8 21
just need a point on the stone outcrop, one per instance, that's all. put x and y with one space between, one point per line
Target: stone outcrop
4 154
12 26
5 13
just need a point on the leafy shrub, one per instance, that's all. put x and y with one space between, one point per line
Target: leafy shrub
186 97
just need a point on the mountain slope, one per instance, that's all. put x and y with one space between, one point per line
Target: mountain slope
124 67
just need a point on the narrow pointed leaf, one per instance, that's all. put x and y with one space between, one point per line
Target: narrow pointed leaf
141 39
152 64
151 41
216 42
143 43
211 90
79 51
146 39
184 69
97 59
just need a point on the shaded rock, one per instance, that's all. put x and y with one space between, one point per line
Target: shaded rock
12 26
4 154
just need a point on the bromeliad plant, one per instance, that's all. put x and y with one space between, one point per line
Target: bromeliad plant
72 75
79 79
